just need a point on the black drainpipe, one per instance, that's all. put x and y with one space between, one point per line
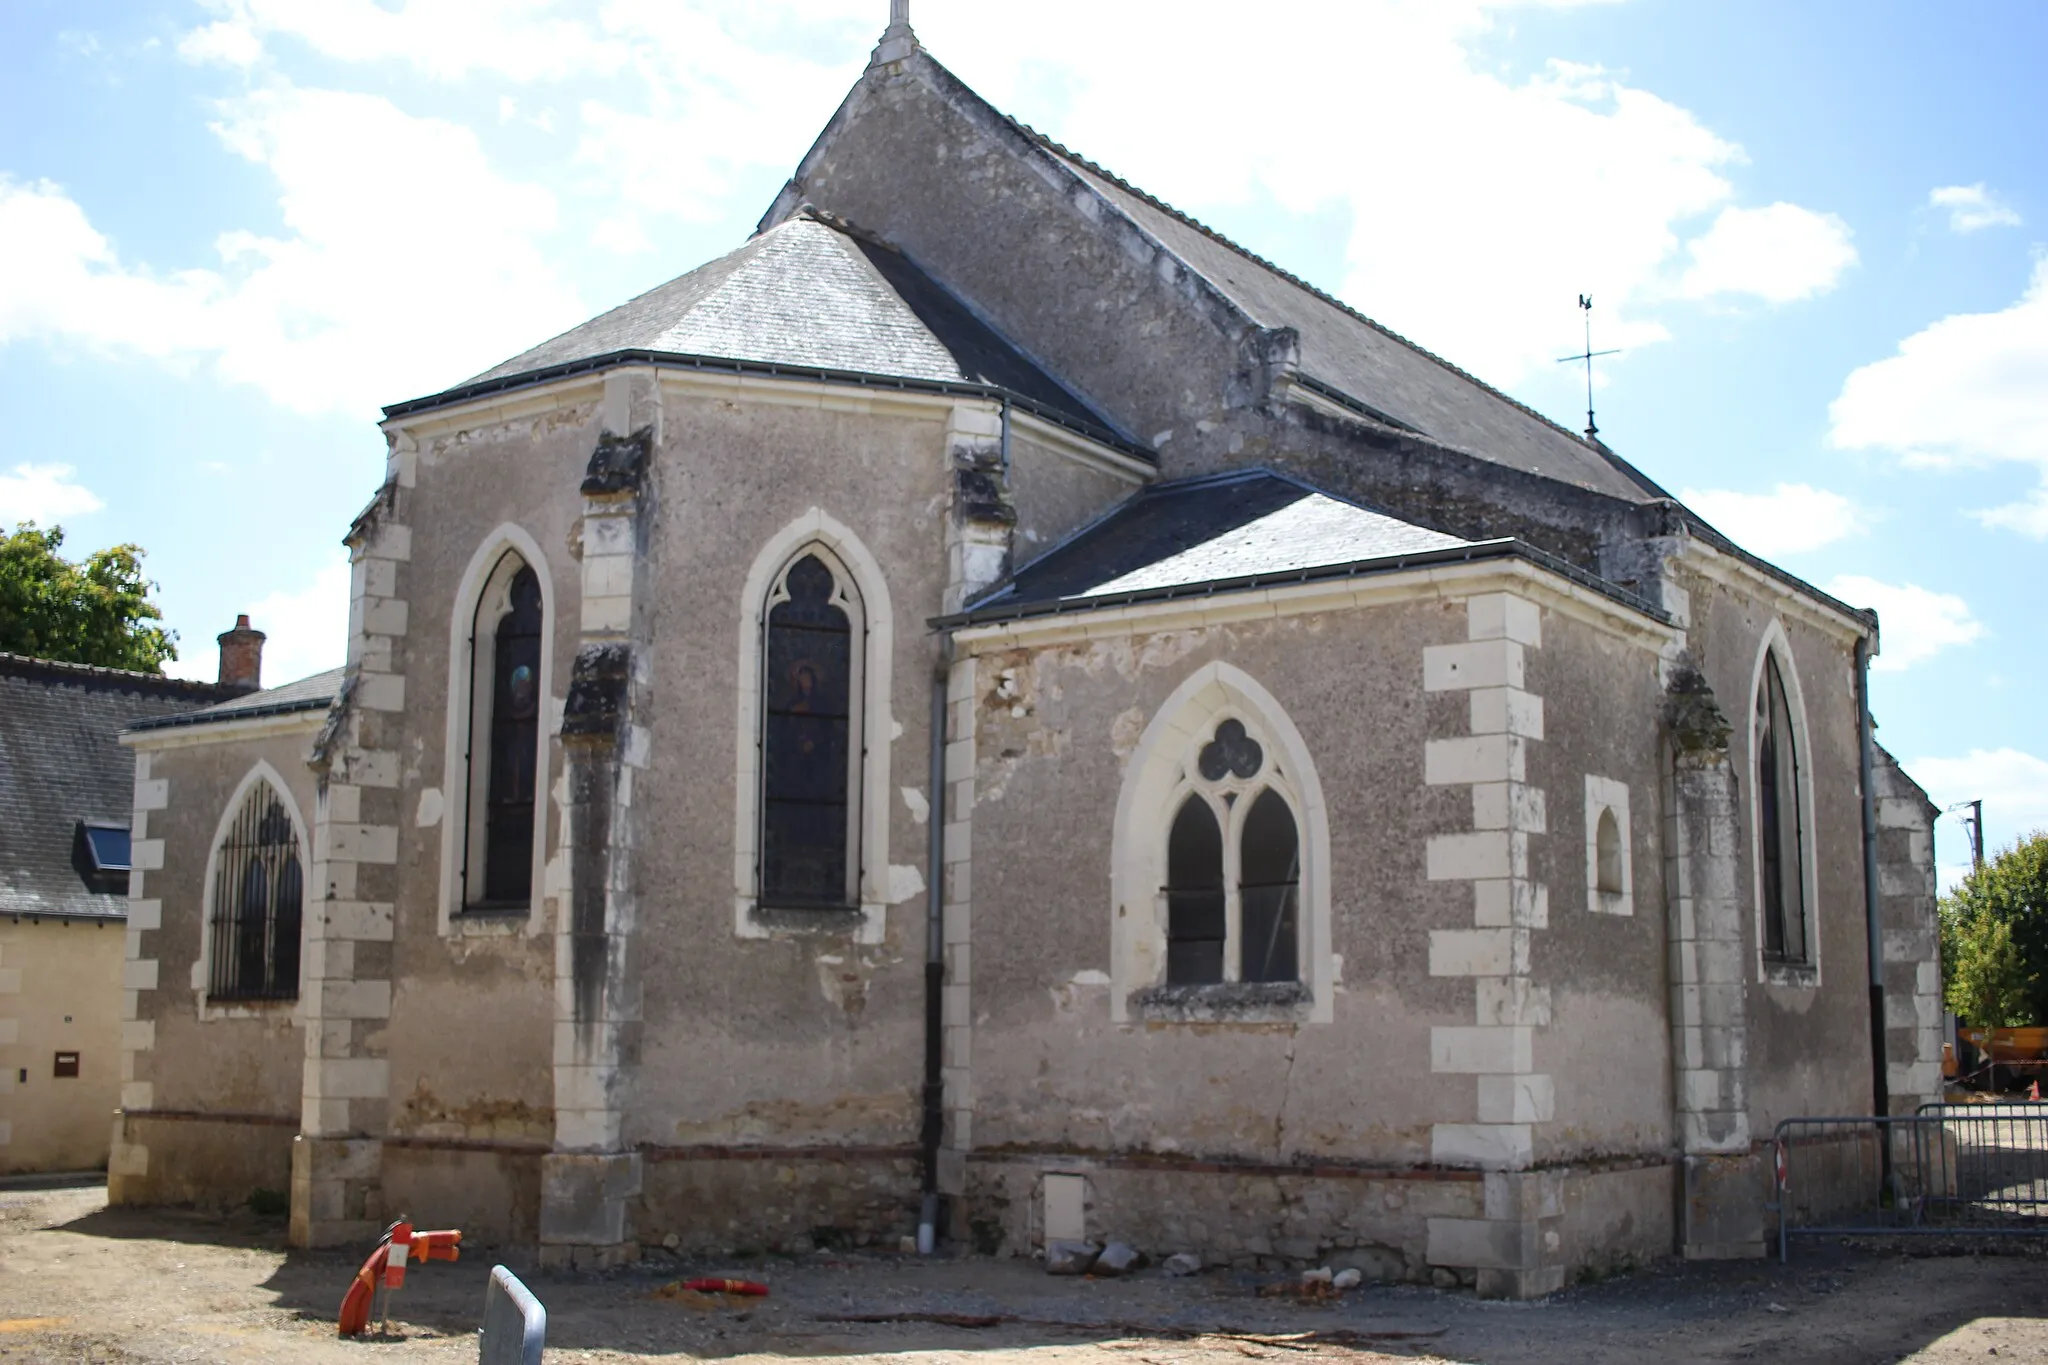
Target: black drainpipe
935 955
1880 1089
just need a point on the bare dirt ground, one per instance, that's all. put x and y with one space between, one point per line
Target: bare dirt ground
82 1283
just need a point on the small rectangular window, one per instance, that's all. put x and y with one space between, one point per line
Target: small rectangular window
67 1065
108 845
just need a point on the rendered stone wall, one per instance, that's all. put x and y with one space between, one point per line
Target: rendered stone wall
59 989
225 1077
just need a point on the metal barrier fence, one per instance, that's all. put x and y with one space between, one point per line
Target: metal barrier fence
1949 1170
515 1325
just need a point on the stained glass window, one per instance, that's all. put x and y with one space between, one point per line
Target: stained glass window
1269 862
1780 843
808 856
1196 927
514 739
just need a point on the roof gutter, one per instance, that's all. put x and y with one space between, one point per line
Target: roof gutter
994 611
675 360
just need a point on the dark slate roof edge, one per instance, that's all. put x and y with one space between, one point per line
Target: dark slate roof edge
121 679
1215 479
71 916
213 717
1057 149
1478 550
768 370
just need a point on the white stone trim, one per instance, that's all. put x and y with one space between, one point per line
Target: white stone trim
456 815
1149 799
226 731
878 726
1775 642
1605 794
1508 906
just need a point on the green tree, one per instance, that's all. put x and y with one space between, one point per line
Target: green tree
96 611
1994 938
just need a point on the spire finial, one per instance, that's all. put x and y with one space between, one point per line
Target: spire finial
1587 357
898 41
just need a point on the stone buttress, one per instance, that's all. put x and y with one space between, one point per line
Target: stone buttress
346 970
590 1181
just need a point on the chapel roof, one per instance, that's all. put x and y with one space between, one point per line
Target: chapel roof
314 692
62 769
1234 532
812 293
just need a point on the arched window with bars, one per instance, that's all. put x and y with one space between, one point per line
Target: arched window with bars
258 901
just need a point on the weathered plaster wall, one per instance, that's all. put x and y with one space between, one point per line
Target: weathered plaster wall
1055 494
469 1042
1808 1044
60 991
1607 1045
1050 1070
210 1096
800 1033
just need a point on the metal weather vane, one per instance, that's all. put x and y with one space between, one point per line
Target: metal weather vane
1587 355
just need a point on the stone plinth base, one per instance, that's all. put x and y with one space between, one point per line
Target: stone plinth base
336 1199
585 1203
1722 1208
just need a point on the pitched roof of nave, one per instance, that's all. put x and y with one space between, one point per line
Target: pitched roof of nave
1351 359
813 293
1375 367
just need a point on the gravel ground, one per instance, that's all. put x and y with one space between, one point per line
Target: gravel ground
80 1282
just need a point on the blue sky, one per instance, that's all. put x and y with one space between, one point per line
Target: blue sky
231 229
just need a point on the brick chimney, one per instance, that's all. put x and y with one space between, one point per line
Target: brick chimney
241 657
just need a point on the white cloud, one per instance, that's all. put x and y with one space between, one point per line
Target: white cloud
1915 623
449 39
1514 193
307 630
1969 389
44 494
1787 520
1971 207
2028 517
2012 784
368 297
1779 253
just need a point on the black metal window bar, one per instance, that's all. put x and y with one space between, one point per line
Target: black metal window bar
258 899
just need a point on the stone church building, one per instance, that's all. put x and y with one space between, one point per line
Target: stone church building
991 708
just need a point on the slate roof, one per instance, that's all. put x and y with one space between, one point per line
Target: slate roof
313 693
1376 368
1216 529
60 764
810 293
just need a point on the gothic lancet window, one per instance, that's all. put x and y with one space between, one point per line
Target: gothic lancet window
504 738
1233 870
810 738
1781 850
258 897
